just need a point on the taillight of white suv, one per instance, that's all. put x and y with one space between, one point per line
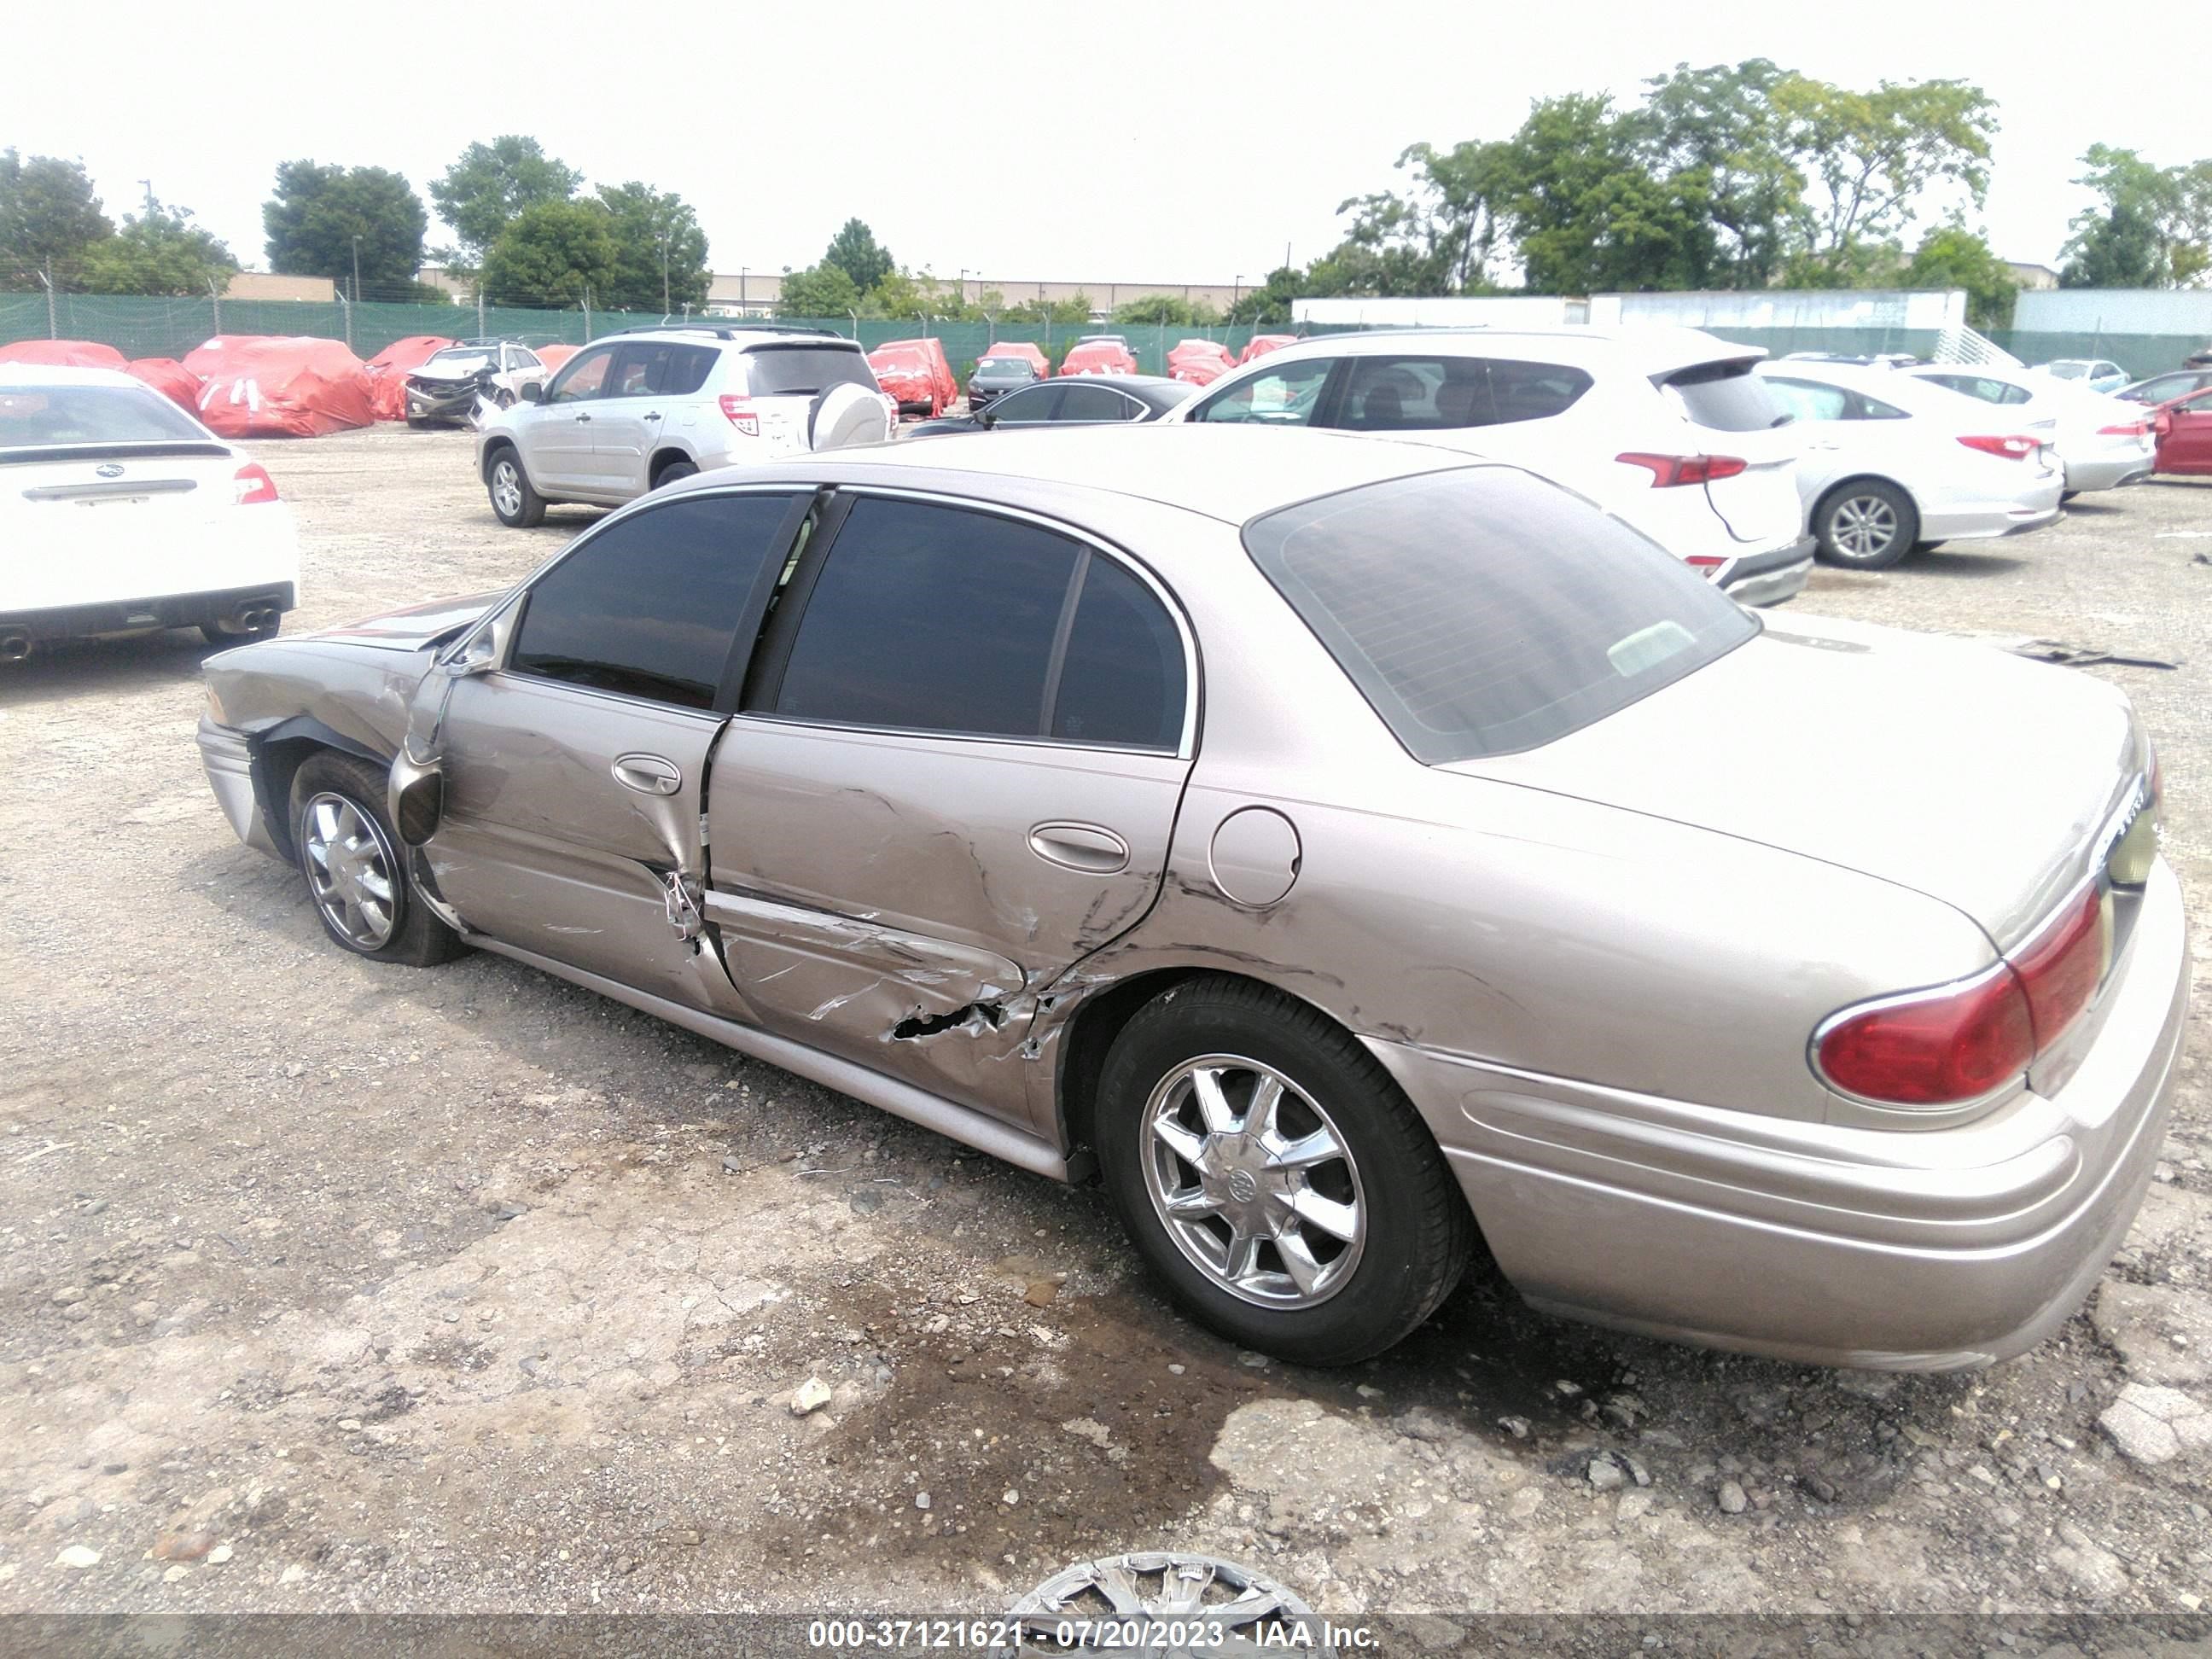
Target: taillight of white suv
740 413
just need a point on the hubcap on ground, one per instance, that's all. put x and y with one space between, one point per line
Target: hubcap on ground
1864 525
1254 1182
506 488
349 870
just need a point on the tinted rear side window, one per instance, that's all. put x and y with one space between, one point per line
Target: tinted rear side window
650 607
1121 682
1725 397
930 618
1482 611
1446 393
796 371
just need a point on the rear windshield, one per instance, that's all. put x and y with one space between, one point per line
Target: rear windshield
1725 397
796 371
1483 611
32 415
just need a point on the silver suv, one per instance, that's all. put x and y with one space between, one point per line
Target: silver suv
632 412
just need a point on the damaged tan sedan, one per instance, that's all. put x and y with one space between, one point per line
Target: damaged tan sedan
1346 851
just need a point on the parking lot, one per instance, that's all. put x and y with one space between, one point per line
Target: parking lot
326 1285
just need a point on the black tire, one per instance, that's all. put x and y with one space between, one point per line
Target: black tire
1926 547
672 470
416 424
1418 1231
1866 524
412 936
526 507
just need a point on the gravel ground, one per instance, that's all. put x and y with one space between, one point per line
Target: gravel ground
328 1286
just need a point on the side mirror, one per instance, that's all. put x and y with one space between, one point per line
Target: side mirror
533 392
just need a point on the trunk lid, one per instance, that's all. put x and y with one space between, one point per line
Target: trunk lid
69 484
1974 776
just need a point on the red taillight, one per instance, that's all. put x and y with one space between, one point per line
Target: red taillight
2059 968
2125 429
1707 565
1933 1048
2014 446
1958 1041
741 414
251 484
1668 470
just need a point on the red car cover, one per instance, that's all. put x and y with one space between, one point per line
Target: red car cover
387 372
1098 357
168 377
289 385
1260 344
554 355
63 354
1029 353
913 371
1199 362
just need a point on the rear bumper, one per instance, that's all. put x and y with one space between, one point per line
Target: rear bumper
1771 577
2107 472
1986 521
1898 1249
78 622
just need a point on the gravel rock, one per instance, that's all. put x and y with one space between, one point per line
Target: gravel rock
921 1500
812 1396
77 1555
2155 1424
1731 1498
1607 1475
2143 1322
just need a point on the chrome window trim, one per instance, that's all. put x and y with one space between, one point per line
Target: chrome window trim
1186 747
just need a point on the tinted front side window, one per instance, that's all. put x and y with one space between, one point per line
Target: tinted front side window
1482 611
585 377
1282 397
1095 402
651 606
1725 398
802 371
931 619
1019 408
1121 683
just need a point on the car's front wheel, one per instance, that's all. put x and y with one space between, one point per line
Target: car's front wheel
1866 524
357 879
516 504
1269 1169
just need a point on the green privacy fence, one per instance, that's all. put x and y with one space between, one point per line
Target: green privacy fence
142 326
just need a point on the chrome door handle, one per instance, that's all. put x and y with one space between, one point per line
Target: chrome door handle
648 774
1086 846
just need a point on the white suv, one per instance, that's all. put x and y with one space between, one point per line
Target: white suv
631 411
1665 428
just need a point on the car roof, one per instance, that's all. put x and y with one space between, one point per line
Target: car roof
739 334
1219 471
27 374
1650 347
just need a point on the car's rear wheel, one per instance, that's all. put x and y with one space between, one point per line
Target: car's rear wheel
1268 1169
513 500
1866 524
357 879
671 470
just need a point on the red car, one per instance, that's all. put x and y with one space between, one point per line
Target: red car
1199 362
2185 433
1101 356
1260 344
915 374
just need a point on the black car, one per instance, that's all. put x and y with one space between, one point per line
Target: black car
1073 400
996 376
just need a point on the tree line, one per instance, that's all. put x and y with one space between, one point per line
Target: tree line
1731 176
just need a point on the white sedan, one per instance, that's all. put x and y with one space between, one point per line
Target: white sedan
123 515
2102 443
1892 464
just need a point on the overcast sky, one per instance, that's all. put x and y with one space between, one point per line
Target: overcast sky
1138 143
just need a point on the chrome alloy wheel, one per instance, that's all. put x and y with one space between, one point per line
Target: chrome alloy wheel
1254 1182
350 869
507 486
1864 526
